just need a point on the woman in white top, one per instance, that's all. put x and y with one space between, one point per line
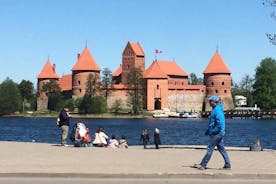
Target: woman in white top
100 138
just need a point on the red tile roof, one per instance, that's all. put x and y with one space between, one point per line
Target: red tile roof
216 65
65 82
154 71
86 62
171 68
117 72
48 71
137 49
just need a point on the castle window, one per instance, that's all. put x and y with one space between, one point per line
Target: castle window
216 91
127 66
79 82
80 90
225 91
157 86
222 83
212 83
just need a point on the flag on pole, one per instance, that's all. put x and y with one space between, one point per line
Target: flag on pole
158 51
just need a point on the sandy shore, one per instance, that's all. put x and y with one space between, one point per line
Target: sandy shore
39 159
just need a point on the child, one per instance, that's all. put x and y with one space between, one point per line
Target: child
113 143
156 138
123 142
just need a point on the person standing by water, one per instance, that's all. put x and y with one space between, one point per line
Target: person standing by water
216 133
156 136
144 138
64 117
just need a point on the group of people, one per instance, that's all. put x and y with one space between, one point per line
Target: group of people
145 138
100 140
215 131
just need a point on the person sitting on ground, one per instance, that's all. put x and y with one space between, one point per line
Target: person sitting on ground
113 143
256 146
100 138
123 142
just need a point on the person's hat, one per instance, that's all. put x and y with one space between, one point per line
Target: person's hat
213 98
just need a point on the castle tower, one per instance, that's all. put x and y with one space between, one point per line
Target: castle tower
47 73
217 78
156 87
133 56
85 66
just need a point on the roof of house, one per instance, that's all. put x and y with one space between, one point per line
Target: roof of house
137 49
171 68
48 71
117 72
65 82
155 71
86 62
216 65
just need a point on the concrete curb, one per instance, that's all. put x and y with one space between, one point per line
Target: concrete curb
157 175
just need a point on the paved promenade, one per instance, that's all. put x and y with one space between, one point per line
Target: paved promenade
38 160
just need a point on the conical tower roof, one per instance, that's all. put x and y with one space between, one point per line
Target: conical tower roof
48 71
217 65
86 62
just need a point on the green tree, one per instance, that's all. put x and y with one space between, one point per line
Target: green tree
136 90
246 86
265 84
84 104
194 80
96 104
93 84
26 89
10 98
107 82
53 92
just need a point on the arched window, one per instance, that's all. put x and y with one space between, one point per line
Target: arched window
222 83
212 83
216 91
157 86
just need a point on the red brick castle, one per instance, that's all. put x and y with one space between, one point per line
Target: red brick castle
166 83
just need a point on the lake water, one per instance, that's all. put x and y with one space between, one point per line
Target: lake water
172 131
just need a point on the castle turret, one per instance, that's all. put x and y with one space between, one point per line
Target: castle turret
85 66
47 73
217 78
133 57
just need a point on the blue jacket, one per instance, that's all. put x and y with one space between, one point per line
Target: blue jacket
217 121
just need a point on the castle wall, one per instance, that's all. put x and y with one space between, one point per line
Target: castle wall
42 103
79 81
186 100
118 97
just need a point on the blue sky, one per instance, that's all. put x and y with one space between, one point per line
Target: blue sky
187 31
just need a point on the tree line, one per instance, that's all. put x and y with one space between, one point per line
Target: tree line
259 89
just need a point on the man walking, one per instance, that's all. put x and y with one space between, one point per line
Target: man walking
216 132
64 117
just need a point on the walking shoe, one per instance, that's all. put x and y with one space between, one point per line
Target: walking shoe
65 145
197 166
226 167
200 167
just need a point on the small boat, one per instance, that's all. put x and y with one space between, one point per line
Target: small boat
160 115
187 115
